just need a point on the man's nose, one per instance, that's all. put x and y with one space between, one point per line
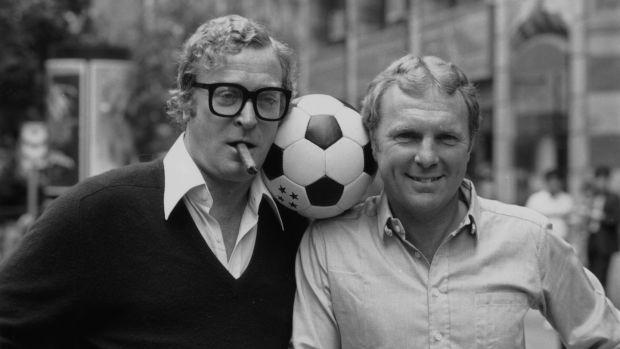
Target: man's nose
246 117
426 155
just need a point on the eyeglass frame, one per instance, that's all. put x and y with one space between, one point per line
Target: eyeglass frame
246 94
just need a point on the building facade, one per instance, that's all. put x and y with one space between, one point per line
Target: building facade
547 73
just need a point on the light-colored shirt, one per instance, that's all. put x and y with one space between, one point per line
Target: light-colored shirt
184 181
360 284
556 207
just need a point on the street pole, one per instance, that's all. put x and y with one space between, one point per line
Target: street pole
414 26
503 125
304 46
578 150
33 191
351 13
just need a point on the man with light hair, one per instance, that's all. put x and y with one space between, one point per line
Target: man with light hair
428 263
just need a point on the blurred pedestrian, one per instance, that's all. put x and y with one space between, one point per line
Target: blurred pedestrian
553 202
188 251
604 216
428 263
580 220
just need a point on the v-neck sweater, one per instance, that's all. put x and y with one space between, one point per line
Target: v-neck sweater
102 268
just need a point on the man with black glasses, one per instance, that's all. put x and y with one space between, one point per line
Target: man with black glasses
189 251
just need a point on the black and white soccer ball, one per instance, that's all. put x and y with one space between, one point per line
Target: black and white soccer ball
321 162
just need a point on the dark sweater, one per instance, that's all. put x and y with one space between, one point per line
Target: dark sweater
103 269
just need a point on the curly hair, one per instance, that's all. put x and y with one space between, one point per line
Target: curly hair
415 76
207 49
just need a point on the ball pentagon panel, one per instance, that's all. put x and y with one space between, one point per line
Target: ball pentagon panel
323 130
273 167
324 192
370 165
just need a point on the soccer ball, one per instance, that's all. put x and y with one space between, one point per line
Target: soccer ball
321 162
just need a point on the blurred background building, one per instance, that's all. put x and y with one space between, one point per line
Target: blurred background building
547 70
96 74
547 73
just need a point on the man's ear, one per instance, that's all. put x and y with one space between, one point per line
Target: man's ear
472 144
190 108
373 145
187 80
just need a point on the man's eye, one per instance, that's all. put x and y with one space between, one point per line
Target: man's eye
406 136
226 94
268 100
449 139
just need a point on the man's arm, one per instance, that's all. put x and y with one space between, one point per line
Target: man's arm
314 324
39 282
573 300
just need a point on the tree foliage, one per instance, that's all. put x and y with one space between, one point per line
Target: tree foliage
29 28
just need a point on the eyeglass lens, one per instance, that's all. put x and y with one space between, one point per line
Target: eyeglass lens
269 104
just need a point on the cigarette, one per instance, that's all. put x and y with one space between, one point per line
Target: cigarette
247 159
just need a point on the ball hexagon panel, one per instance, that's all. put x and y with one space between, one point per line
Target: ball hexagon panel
324 192
303 162
354 191
288 193
318 104
323 130
292 128
350 122
344 161
272 167
321 212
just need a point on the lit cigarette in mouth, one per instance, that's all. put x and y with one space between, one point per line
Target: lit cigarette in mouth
247 159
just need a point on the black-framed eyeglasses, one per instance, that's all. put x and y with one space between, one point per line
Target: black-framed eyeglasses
227 100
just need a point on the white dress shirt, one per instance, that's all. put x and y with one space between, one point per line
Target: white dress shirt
184 181
362 284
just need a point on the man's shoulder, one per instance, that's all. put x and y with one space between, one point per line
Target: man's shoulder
359 217
500 211
124 179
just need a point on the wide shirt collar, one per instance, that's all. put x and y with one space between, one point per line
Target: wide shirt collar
182 175
389 225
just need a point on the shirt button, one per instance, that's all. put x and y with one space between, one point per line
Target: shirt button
437 336
417 255
435 292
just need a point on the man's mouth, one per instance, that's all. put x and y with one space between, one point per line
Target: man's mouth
234 144
425 179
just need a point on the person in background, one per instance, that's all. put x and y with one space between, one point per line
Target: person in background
553 202
188 251
604 216
580 220
428 263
